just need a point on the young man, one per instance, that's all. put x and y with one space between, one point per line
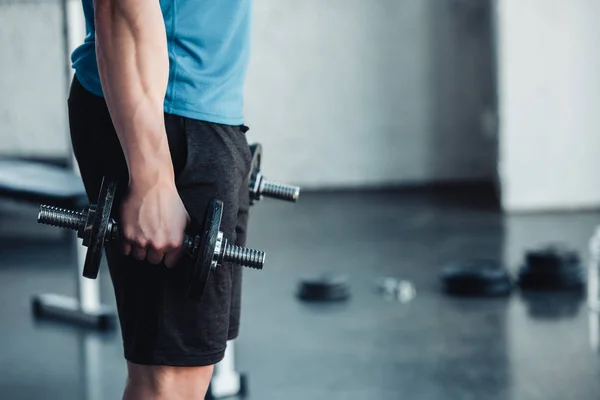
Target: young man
156 102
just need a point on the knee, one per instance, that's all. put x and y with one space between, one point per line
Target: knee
175 382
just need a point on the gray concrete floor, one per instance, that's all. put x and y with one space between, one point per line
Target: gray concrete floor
434 347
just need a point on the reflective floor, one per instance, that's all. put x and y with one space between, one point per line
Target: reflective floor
433 347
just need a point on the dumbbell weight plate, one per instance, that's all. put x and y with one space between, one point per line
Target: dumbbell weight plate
99 228
201 269
256 151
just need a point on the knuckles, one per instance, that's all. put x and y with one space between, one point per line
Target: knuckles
159 244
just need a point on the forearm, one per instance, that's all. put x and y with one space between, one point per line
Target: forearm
133 62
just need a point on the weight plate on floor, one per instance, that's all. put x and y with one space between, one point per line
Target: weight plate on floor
324 289
553 305
204 254
99 229
479 277
573 279
552 267
552 257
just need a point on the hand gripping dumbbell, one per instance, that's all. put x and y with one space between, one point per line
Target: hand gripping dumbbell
260 186
209 249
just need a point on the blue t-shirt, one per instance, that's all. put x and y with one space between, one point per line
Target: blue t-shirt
209 50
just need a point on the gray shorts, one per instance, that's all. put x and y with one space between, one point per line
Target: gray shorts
159 325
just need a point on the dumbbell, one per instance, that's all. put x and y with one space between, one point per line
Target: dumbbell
209 249
260 186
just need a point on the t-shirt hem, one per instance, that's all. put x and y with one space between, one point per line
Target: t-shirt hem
88 86
203 116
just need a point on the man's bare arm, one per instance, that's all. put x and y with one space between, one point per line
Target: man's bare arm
131 48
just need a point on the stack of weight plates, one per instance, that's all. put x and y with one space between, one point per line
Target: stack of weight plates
479 277
552 267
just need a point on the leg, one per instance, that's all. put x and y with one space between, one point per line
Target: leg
241 229
226 381
170 342
162 382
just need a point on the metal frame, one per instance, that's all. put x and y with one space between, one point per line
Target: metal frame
226 381
86 308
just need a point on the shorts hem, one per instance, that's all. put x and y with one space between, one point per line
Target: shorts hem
233 334
177 360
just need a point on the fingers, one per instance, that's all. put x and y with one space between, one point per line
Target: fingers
149 253
155 257
139 252
171 259
127 248
173 252
162 248
153 253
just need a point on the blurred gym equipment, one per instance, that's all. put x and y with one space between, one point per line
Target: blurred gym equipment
226 381
476 278
86 308
260 186
326 288
552 267
40 182
399 290
593 280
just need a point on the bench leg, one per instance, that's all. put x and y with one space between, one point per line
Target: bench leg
85 309
226 381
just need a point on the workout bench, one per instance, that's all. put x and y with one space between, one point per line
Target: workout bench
39 182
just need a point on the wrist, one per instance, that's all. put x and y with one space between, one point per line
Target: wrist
151 176
151 169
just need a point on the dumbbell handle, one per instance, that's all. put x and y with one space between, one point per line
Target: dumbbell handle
76 221
260 186
231 253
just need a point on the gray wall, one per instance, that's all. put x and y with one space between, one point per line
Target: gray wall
370 92
32 79
549 83
340 92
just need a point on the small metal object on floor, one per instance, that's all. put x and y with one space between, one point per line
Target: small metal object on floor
399 290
